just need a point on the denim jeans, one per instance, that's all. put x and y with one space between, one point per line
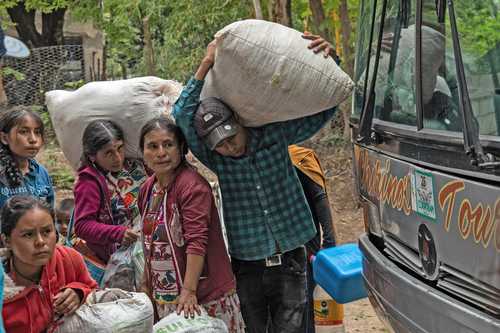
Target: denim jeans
273 299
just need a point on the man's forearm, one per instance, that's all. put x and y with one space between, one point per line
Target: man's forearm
203 70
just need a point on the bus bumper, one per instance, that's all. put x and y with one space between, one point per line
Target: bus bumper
405 304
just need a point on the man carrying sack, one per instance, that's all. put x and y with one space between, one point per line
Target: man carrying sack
267 217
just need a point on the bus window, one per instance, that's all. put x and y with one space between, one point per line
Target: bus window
362 50
395 89
439 84
478 24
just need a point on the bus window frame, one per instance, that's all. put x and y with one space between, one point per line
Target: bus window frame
370 130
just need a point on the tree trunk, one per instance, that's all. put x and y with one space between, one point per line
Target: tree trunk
104 76
318 19
258 10
281 12
346 37
52 26
348 53
148 48
124 70
25 25
3 95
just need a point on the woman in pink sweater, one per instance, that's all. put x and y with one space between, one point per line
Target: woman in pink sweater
187 264
106 213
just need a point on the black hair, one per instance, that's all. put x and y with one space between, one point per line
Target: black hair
168 125
96 135
66 205
9 119
15 208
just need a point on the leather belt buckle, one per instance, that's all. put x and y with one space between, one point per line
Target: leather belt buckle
274 260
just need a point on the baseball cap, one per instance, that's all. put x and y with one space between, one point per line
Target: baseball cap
214 122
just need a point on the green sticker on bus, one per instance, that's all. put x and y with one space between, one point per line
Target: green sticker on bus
423 185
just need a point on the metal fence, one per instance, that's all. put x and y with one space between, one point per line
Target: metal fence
47 68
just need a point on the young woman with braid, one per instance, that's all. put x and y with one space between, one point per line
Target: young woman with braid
21 138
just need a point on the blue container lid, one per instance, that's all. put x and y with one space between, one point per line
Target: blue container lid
347 258
338 270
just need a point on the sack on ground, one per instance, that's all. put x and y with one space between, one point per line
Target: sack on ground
112 311
203 323
265 73
129 103
120 271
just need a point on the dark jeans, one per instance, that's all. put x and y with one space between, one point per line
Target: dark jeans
274 295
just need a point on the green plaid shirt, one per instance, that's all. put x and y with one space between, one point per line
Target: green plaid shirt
263 201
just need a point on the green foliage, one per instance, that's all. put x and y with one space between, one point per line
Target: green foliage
45 6
73 85
479 26
190 26
61 173
8 71
49 136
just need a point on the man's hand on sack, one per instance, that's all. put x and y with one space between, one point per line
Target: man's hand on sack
319 44
129 237
188 303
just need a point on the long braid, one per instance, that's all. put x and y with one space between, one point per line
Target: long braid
12 171
10 118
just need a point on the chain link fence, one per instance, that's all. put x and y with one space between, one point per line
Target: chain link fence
47 68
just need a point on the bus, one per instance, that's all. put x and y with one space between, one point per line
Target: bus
425 129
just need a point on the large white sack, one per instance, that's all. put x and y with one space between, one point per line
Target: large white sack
111 311
265 73
203 323
129 103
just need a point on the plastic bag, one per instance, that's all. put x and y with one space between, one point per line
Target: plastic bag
203 323
120 271
111 311
138 262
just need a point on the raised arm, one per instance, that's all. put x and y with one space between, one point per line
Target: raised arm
298 130
187 104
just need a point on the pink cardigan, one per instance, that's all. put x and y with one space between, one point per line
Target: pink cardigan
201 230
93 220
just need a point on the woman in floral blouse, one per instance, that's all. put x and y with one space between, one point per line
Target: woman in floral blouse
187 265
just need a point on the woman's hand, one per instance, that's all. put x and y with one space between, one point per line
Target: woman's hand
67 302
188 303
319 44
129 237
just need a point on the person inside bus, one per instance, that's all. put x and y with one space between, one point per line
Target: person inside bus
395 89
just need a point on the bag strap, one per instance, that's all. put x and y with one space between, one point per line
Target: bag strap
69 233
169 236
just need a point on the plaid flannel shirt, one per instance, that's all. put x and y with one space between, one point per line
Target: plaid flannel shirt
263 201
